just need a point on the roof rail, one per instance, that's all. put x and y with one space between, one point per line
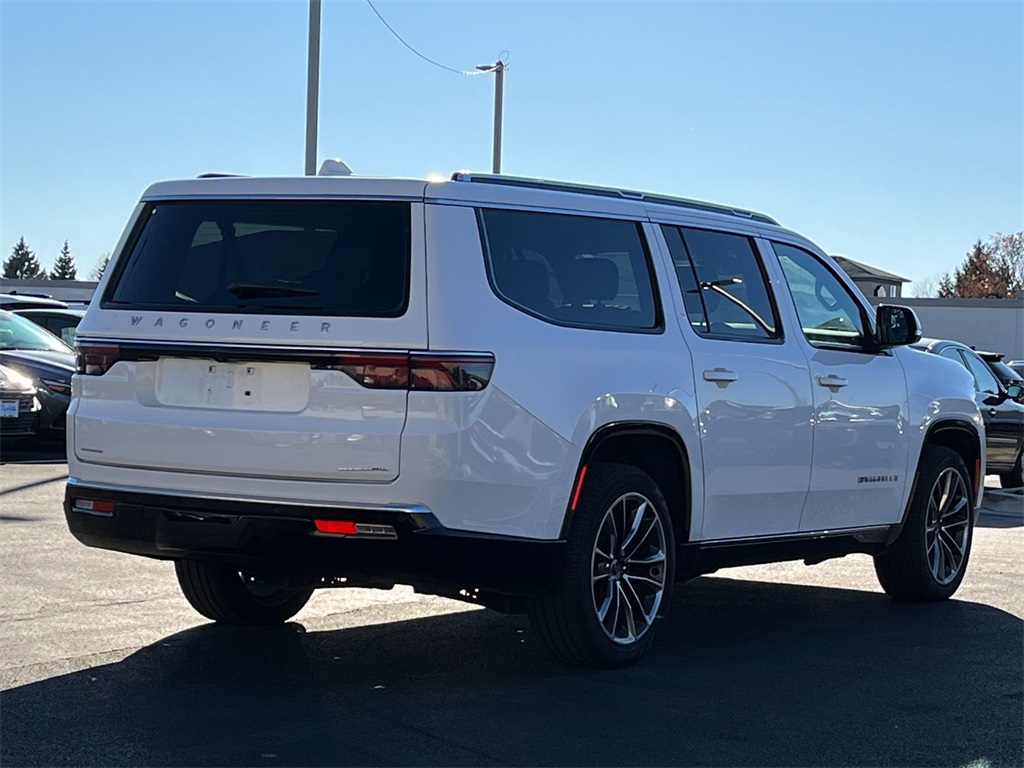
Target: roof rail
628 194
219 175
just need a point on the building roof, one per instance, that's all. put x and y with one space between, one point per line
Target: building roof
858 271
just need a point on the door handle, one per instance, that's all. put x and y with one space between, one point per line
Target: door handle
832 381
720 374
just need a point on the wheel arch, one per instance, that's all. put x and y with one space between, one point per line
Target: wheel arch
658 450
961 436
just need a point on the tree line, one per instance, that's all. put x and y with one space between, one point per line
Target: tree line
22 264
993 269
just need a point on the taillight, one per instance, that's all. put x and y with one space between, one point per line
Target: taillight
376 371
450 373
420 371
96 359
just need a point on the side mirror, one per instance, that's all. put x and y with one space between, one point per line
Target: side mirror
1015 391
896 326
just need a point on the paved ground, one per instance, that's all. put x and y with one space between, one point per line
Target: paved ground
102 663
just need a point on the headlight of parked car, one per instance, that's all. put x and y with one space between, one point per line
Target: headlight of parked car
12 380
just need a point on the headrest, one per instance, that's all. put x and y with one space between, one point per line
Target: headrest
591 280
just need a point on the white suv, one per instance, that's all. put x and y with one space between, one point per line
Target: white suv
531 395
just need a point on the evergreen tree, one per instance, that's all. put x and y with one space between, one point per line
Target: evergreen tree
64 268
97 271
22 264
980 276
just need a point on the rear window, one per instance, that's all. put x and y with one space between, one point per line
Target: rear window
268 256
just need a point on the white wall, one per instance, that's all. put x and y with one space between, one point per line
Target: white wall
992 325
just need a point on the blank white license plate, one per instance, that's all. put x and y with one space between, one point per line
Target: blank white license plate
244 386
8 409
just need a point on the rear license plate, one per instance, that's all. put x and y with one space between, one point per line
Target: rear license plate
191 383
9 409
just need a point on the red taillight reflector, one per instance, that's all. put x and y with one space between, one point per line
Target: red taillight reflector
579 487
96 359
336 526
94 506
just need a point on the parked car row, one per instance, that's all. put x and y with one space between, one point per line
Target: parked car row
35 379
999 392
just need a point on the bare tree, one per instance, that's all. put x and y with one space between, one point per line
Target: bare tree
925 287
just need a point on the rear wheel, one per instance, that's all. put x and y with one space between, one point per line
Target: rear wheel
223 593
618 572
929 559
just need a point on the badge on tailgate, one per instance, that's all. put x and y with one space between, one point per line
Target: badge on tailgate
191 383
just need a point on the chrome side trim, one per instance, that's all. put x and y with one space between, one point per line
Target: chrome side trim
409 509
803 536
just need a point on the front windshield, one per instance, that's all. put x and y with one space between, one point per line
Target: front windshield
19 333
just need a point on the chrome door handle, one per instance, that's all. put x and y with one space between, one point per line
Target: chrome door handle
832 381
720 374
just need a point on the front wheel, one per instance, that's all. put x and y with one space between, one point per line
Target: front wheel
929 559
223 593
618 572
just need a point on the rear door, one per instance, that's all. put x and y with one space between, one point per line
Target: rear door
256 337
753 391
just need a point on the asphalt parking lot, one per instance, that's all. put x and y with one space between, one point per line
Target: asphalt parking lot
103 663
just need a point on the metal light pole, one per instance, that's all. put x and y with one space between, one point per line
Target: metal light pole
499 91
312 86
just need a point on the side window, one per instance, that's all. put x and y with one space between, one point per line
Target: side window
984 379
829 315
571 270
724 287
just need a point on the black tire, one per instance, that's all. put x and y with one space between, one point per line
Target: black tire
221 592
567 617
922 563
1015 477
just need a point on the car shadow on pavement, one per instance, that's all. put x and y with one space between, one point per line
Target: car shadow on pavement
743 674
49 451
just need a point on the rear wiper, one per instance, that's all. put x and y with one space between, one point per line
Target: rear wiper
269 291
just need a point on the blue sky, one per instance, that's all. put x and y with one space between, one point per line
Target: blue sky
891 133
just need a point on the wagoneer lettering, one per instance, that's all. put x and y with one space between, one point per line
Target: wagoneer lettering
536 396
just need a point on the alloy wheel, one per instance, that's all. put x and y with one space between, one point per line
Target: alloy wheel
947 526
628 568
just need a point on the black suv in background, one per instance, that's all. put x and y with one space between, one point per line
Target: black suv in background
1003 415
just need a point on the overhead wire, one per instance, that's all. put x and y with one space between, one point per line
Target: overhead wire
427 58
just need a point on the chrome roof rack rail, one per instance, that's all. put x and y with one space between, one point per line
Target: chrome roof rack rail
627 194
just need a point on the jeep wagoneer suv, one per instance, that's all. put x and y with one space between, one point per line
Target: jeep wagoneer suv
531 395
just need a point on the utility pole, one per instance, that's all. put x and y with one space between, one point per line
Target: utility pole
499 91
312 86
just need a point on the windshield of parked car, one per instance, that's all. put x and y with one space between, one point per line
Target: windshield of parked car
1005 373
19 333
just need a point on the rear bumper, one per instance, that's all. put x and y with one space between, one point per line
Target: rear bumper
283 538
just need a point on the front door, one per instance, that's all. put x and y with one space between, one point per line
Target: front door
861 446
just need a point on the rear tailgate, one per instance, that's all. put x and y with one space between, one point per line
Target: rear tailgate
256 337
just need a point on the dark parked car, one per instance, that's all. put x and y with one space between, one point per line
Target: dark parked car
13 301
1006 374
19 406
60 322
1004 417
41 356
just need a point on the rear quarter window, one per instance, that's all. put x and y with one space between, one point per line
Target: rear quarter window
571 270
268 256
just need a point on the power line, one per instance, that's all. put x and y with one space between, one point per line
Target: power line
425 58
